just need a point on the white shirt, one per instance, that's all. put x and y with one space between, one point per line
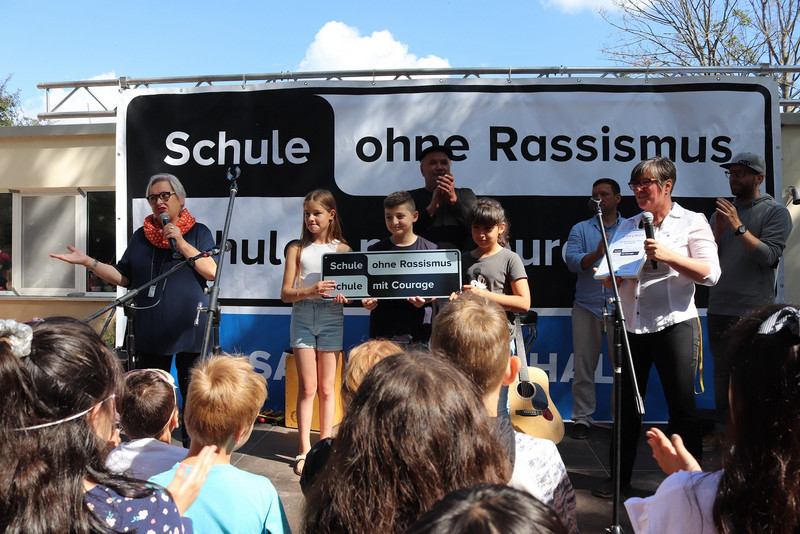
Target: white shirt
311 262
144 458
684 502
662 297
539 470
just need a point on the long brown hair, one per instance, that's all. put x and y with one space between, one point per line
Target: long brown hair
324 198
68 371
760 486
414 431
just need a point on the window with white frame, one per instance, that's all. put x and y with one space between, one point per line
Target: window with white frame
47 222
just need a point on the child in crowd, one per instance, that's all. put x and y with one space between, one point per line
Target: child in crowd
414 431
56 417
497 273
225 395
359 362
148 412
488 509
757 487
317 323
401 321
472 332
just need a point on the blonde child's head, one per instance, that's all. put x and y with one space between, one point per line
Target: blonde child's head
324 199
472 332
225 396
360 361
488 212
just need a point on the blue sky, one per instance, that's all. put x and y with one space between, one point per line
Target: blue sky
48 41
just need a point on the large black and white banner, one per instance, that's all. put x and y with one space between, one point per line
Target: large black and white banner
535 145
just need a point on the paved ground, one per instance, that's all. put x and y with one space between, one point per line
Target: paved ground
271 450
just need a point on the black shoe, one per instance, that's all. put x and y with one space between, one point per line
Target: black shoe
580 430
605 490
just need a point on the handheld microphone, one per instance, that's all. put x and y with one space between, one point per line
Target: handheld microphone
649 232
164 218
594 204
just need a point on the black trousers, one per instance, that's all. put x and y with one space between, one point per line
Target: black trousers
674 352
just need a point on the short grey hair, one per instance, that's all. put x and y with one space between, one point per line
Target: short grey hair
176 184
659 168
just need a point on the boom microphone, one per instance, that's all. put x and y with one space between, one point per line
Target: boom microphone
164 218
649 232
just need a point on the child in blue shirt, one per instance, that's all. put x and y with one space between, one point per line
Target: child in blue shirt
225 395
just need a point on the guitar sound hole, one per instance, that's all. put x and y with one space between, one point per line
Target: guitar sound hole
525 390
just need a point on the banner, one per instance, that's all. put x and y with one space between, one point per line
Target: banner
536 145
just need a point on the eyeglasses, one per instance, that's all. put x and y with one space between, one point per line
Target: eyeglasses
163 197
738 174
641 184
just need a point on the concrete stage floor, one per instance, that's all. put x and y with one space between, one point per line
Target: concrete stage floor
271 450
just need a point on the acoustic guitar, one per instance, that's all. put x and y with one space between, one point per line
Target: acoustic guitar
532 410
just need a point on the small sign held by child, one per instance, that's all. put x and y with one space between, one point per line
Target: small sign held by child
394 275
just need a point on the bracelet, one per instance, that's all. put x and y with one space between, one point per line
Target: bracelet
94 265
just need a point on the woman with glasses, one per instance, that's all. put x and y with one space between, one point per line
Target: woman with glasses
660 315
165 312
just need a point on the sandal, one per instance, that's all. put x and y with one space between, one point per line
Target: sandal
298 470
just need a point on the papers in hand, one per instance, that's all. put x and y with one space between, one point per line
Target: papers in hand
627 255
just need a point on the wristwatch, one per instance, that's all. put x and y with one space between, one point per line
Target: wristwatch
741 230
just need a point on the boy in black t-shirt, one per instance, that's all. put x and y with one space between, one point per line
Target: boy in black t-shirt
401 321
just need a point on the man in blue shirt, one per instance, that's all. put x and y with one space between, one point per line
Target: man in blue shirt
584 252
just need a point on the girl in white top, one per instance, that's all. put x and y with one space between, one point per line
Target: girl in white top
317 324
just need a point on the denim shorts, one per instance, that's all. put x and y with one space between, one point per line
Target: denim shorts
317 324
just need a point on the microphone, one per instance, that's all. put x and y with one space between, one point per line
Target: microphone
164 218
594 204
649 232
226 247
794 193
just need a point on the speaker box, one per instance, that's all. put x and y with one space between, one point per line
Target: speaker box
291 394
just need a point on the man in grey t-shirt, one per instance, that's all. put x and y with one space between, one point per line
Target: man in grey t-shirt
751 233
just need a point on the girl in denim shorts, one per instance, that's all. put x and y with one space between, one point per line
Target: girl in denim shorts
317 322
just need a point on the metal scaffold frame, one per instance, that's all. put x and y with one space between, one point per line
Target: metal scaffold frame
124 82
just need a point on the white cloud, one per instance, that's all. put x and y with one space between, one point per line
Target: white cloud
81 100
576 6
338 46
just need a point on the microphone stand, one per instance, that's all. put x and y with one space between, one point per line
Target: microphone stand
126 301
620 345
212 312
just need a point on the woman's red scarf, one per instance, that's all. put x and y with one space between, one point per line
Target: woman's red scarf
153 230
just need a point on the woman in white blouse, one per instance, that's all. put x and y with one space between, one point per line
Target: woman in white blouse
661 318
